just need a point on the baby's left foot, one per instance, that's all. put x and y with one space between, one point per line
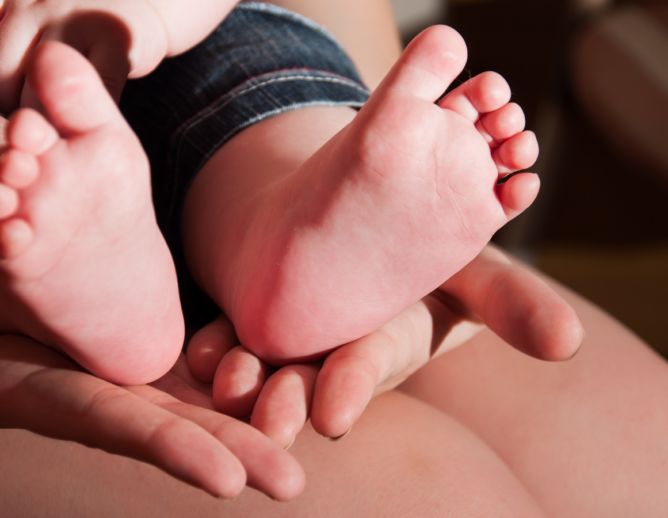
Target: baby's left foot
83 265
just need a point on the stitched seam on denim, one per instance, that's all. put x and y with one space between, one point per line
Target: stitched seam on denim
271 113
260 7
221 142
335 80
212 110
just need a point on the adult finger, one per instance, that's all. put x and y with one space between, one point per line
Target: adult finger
238 381
208 346
360 370
44 392
517 305
284 403
268 467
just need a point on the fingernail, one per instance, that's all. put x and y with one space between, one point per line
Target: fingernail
291 443
336 439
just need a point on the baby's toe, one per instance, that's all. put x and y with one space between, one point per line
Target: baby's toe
518 193
18 169
30 132
70 90
9 201
482 94
502 124
15 236
516 153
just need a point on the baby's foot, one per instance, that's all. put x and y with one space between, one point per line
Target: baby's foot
386 211
84 266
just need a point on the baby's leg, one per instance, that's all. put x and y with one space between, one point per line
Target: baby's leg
84 266
305 253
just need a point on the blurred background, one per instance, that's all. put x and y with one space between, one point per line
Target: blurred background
592 78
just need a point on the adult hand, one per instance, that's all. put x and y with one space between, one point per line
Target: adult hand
44 392
491 291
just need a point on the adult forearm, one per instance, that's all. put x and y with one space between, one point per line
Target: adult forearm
367 30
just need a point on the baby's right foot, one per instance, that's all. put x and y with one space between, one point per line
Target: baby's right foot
387 210
84 266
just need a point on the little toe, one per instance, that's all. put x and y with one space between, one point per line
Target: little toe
518 193
15 236
516 153
429 64
29 132
9 201
482 94
70 89
18 169
502 124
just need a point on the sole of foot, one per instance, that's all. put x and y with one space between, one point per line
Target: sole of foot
391 207
84 266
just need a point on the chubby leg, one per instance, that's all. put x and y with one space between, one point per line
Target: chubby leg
403 459
387 209
587 437
84 266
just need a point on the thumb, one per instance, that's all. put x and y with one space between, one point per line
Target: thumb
103 39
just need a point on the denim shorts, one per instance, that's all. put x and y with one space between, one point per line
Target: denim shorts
261 61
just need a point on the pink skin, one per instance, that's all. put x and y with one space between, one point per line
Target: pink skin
84 266
43 391
119 37
390 207
521 308
63 228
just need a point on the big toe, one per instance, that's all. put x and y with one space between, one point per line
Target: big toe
429 64
69 89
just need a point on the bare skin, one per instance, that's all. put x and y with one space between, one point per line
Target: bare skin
90 410
120 38
82 258
403 457
487 498
41 475
585 437
44 392
393 203
517 306
388 191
